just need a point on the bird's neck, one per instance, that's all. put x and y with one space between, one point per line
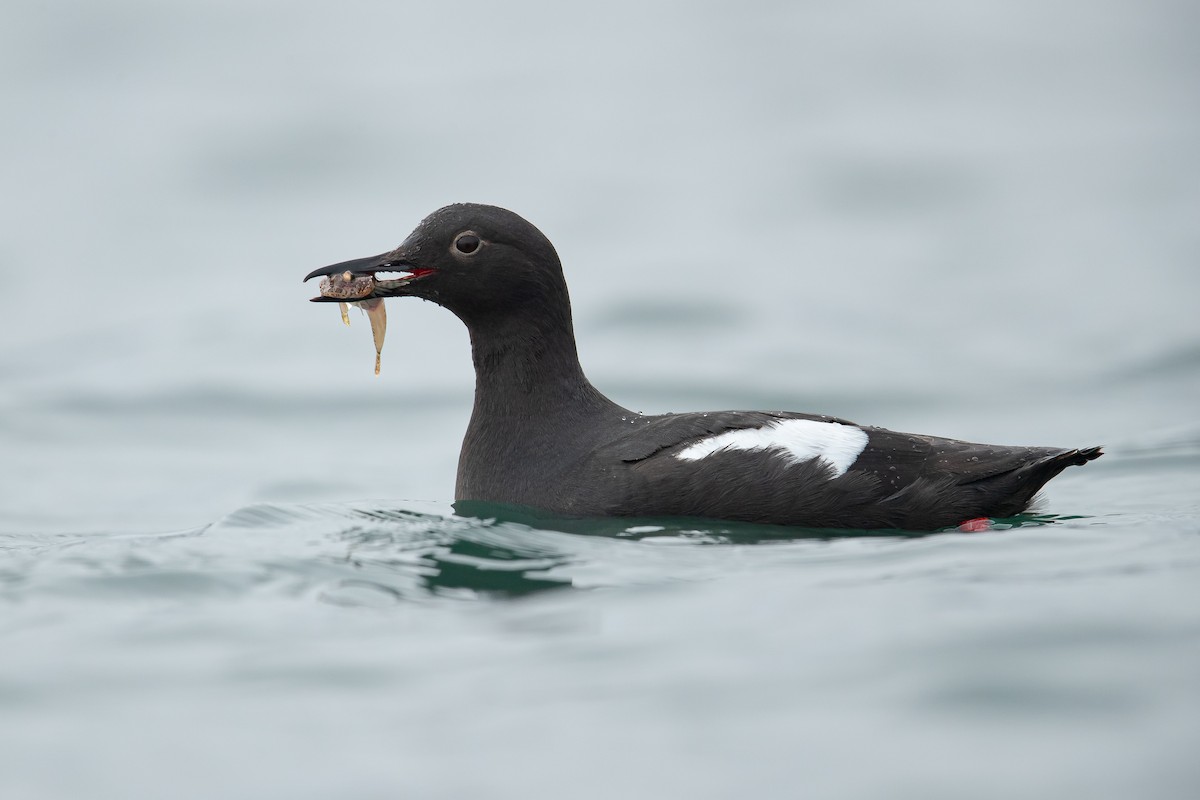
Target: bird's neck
533 405
526 369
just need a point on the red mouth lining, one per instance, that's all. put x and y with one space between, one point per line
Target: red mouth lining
407 273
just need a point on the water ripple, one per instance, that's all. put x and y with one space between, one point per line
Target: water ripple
378 554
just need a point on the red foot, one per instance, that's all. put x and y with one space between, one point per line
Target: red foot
977 525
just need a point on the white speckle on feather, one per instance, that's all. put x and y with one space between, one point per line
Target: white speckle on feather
796 440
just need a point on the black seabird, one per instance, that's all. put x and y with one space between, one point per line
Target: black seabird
542 436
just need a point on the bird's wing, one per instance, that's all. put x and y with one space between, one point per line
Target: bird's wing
649 436
899 459
879 478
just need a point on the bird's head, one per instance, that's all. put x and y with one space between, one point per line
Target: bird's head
480 262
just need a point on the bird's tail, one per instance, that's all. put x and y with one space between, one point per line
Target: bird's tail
1029 479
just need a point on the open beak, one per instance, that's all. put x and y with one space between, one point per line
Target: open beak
360 279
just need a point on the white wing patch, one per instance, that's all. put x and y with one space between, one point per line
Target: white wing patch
798 440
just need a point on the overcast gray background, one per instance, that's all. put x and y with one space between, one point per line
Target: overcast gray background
856 209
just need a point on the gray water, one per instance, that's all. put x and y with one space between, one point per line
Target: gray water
229 565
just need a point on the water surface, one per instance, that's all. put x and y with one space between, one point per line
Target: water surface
229 563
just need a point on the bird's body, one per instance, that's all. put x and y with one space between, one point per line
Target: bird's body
542 436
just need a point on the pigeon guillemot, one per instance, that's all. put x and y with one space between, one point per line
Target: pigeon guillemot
542 436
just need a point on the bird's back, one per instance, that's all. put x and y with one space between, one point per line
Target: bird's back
813 471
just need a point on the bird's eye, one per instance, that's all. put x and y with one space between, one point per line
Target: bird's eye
466 243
